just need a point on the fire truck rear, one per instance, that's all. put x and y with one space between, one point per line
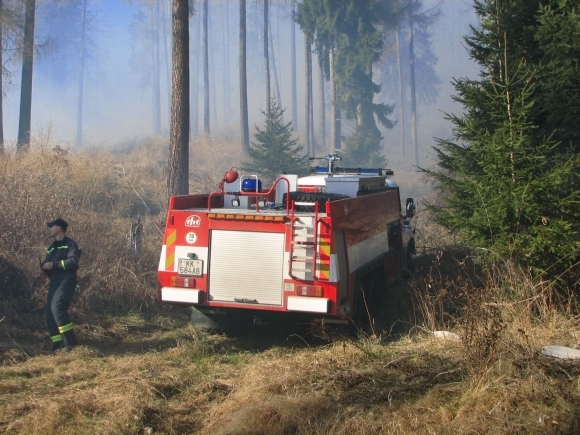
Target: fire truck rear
325 246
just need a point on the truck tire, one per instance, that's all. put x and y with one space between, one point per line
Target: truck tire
240 323
409 261
369 292
320 198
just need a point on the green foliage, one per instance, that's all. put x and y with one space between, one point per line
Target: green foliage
351 29
362 147
508 189
275 152
558 70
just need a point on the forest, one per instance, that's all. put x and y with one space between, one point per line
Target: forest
102 72
487 141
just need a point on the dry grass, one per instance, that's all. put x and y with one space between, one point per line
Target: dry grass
143 370
186 381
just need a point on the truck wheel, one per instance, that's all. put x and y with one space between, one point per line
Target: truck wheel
368 295
409 261
240 323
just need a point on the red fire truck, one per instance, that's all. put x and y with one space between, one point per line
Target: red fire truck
325 245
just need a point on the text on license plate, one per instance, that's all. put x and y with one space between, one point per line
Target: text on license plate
185 266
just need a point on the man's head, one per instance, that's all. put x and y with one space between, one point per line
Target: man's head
57 226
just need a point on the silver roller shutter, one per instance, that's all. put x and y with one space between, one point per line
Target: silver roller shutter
246 265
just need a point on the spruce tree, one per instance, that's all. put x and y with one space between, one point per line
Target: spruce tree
275 151
507 188
351 29
558 71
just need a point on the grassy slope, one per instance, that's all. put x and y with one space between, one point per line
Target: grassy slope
143 369
162 376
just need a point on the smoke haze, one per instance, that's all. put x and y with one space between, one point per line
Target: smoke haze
119 83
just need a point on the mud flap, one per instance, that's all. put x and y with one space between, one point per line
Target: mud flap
208 319
233 322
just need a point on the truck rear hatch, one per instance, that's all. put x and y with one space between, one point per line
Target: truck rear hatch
246 267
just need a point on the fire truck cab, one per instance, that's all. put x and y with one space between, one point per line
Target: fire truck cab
325 245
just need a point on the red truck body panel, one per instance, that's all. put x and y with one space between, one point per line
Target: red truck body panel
279 257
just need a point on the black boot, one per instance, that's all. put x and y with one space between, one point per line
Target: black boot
70 339
56 345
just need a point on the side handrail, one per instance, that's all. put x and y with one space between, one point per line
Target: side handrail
315 245
292 228
257 194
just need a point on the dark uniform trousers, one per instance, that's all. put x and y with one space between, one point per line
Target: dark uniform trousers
64 255
60 294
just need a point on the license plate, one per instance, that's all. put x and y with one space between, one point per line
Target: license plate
186 266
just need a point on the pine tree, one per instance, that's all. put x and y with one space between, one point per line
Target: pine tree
507 189
275 151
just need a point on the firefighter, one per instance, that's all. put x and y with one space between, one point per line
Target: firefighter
61 264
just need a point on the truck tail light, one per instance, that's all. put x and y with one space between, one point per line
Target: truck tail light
180 281
309 290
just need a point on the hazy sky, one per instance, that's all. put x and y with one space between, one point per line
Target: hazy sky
118 97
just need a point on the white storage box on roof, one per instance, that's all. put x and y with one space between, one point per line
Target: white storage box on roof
354 185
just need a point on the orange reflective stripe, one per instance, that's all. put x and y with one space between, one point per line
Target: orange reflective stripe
170 250
324 251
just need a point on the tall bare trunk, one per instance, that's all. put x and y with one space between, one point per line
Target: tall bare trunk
226 57
213 93
273 57
293 67
178 179
79 140
413 94
266 56
23 143
401 90
1 80
156 73
322 108
312 138
166 52
308 81
194 52
245 130
206 128
332 85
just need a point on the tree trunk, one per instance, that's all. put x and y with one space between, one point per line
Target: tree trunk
413 94
206 128
401 90
308 81
322 108
195 81
79 140
1 79
178 179
266 56
276 81
226 58
23 143
293 68
312 138
334 110
213 92
166 52
156 71
245 130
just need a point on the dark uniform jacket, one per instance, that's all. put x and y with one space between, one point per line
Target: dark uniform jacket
65 255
